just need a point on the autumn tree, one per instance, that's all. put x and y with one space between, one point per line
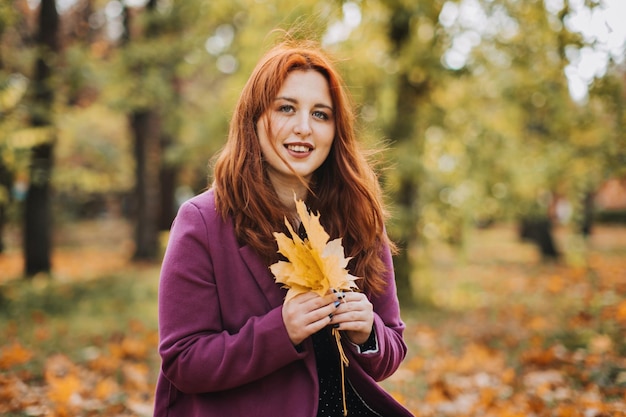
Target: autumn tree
562 153
393 80
154 44
469 97
145 123
38 206
605 124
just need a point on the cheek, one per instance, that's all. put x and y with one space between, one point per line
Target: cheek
267 143
261 128
266 148
263 135
269 129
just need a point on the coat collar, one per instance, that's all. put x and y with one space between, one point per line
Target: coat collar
262 275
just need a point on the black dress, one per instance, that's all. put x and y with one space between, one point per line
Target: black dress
329 372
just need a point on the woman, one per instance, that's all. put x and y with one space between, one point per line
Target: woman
231 345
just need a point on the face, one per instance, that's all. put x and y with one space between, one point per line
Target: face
301 127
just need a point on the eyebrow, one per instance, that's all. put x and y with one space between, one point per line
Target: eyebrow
293 100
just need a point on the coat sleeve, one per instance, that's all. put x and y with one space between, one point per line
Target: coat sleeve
197 354
388 328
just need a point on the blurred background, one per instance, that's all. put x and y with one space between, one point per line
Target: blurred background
503 123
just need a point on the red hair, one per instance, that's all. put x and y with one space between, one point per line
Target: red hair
344 190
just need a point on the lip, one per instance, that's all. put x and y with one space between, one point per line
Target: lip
299 149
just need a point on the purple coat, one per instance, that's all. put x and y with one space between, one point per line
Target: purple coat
224 348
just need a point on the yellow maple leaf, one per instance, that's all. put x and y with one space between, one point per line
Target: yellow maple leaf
314 264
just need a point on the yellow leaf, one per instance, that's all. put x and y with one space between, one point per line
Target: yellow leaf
314 264
106 388
64 384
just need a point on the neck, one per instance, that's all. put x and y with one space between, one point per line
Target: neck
286 190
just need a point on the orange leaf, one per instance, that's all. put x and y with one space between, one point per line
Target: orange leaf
14 354
106 388
64 384
134 348
620 313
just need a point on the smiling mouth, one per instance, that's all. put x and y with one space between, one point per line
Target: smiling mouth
299 148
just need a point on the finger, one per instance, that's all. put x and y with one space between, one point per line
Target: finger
356 314
357 302
304 297
341 295
317 311
312 300
352 296
352 318
362 328
324 313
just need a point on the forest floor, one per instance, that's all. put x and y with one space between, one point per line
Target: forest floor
496 332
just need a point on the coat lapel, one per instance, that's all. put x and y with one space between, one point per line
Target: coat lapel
262 276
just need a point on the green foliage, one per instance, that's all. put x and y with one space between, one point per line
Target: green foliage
20 300
12 91
499 136
473 104
93 152
8 16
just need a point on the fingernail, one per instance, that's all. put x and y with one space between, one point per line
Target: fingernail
330 316
335 291
336 326
337 304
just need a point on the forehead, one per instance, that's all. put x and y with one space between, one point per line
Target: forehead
306 85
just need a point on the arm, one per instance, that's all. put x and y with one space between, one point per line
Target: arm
383 319
198 353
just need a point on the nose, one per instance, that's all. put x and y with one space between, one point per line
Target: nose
302 126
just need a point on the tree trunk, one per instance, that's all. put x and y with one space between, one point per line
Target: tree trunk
38 211
585 224
6 181
146 125
406 200
402 131
146 128
539 232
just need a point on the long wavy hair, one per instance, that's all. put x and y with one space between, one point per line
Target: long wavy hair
344 189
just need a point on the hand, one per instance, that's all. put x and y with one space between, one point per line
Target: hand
306 314
355 316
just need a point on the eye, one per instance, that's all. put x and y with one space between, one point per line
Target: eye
286 108
320 115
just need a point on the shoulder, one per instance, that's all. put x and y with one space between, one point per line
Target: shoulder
204 200
203 207
199 217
